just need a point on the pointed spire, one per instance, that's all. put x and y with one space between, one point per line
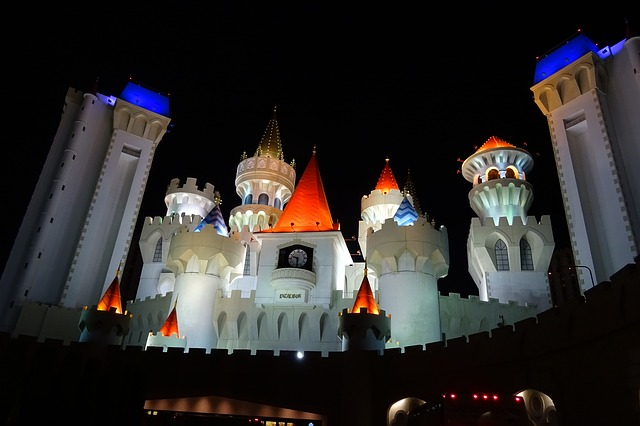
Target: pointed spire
364 298
111 297
409 189
387 181
271 145
308 209
170 325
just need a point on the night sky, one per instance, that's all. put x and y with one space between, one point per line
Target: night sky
421 88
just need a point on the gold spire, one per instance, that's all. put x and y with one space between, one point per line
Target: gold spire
271 145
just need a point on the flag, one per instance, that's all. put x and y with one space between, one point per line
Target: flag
214 217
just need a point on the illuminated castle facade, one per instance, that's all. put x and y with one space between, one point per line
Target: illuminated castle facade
281 276
278 275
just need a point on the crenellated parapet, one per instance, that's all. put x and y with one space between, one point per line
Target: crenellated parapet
156 228
205 252
420 248
188 199
464 316
538 233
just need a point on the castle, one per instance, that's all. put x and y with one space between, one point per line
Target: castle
278 275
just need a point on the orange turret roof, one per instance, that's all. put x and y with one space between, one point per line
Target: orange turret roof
494 142
308 209
111 297
170 325
387 181
364 298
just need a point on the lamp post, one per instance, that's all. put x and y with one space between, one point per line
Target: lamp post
593 283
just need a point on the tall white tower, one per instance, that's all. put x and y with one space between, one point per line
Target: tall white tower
78 225
407 255
508 252
591 99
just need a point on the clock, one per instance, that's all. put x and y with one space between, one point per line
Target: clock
297 258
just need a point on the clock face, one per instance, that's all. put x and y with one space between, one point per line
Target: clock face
297 258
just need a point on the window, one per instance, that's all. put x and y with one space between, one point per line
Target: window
263 199
157 255
526 260
502 256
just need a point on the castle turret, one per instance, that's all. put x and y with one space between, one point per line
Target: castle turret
408 255
186 205
204 263
106 323
264 183
169 334
380 205
508 251
366 327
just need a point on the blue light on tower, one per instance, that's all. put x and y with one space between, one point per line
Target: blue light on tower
145 98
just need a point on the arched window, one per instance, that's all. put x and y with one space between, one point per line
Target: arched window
157 255
248 199
502 256
493 174
510 173
263 199
277 203
526 260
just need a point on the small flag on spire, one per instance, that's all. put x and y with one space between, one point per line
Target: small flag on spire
214 217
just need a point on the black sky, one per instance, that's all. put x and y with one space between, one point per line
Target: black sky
361 84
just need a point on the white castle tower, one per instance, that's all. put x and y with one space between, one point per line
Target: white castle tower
508 252
591 99
408 256
78 225
186 206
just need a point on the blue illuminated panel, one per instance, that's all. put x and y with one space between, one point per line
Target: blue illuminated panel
145 98
572 50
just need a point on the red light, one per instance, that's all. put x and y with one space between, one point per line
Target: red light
495 397
485 397
452 396
475 396
518 399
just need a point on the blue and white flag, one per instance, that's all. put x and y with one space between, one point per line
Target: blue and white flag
214 217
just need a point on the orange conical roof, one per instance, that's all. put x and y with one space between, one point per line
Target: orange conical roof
111 298
387 181
364 298
495 142
170 325
308 209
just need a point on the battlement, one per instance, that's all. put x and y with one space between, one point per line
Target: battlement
473 299
611 305
191 187
182 219
156 297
